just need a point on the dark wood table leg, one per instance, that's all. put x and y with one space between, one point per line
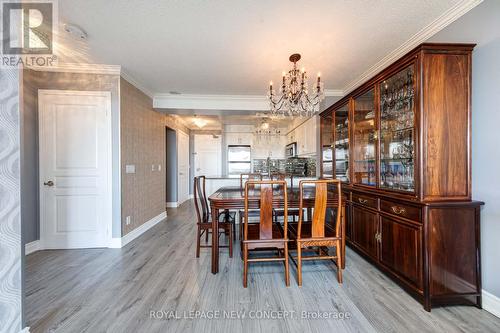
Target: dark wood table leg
215 240
343 236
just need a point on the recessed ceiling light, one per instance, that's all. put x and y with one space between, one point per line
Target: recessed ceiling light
75 31
174 93
199 122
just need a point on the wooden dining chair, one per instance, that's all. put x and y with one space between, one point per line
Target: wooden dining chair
279 212
244 177
226 215
254 213
265 235
278 176
318 232
204 223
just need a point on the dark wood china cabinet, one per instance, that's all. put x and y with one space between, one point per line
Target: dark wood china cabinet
401 145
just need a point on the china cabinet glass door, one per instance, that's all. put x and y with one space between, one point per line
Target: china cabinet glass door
342 143
397 131
365 139
327 146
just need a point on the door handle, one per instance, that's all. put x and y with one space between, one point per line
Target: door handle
49 183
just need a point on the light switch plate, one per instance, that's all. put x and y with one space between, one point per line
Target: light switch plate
159 167
127 220
152 167
130 168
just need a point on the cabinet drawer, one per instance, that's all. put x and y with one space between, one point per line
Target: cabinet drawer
365 200
398 209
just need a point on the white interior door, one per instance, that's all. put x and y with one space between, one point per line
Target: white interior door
208 157
182 167
75 168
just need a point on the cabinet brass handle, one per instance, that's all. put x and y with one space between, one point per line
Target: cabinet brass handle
398 210
363 201
378 237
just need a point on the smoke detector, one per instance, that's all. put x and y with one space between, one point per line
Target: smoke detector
75 31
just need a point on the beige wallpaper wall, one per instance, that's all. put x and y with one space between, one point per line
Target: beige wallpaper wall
143 145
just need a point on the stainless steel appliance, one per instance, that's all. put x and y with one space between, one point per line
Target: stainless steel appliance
291 150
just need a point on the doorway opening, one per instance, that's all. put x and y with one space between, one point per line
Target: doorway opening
171 167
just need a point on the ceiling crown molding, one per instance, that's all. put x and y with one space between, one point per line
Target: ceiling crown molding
437 25
130 79
80 68
211 102
334 92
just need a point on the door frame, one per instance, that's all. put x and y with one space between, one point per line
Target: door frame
109 161
178 134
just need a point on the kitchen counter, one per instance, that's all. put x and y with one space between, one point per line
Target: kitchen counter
222 177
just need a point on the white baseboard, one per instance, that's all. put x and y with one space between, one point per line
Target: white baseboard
491 303
121 242
172 204
32 247
115 243
25 330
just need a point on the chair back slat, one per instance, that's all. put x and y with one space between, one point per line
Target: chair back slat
321 190
266 212
197 199
200 199
248 176
267 190
320 201
278 176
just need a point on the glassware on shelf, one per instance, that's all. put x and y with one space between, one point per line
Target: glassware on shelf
342 143
327 142
397 151
365 139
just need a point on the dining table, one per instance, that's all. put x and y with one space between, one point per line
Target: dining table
233 198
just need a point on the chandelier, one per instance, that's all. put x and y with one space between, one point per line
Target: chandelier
294 99
264 131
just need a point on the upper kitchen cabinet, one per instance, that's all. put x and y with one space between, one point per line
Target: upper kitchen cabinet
305 136
239 138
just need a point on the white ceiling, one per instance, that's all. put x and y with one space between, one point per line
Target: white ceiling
229 47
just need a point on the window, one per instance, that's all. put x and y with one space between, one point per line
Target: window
238 160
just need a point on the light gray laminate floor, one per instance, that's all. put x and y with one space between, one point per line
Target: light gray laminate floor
115 290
